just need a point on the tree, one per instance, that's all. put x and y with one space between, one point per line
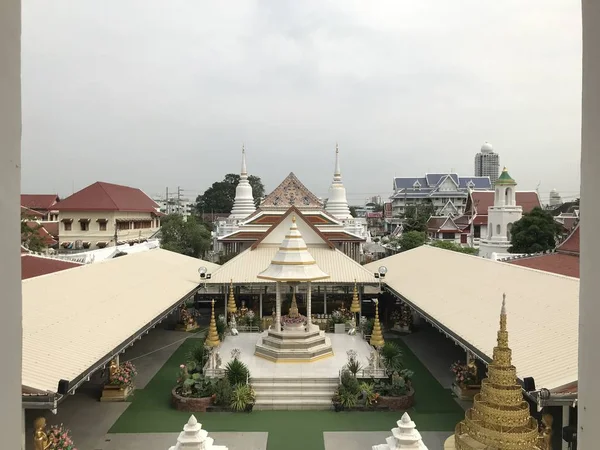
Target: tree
352 211
220 196
416 217
411 239
189 237
30 236
535 232
446 245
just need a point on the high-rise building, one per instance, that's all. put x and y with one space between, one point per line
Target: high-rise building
487 163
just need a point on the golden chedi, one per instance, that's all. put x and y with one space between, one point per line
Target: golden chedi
376 335
355 305
499 418
231 306
212 339
293 312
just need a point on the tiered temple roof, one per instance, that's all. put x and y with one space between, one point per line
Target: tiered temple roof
500 416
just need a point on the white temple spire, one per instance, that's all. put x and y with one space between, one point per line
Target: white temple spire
337 203
405 436
243 204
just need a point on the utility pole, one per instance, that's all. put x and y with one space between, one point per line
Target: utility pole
167 202
179 191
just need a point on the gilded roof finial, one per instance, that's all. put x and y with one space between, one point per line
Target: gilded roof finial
355 306
231 306
293 219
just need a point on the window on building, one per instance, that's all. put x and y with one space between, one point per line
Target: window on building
477 231
498 229
447 235
85 225
67 226
123 225
138 224
102 225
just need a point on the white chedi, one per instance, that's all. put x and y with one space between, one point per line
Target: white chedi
404 436
193 437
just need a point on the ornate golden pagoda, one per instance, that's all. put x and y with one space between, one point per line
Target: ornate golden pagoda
355 306
376 336
212 339
499 418
293 312
231 306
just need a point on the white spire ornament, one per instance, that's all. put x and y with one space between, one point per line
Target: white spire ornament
337 203
405 436
193 437
243 204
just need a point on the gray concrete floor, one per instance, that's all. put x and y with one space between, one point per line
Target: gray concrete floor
89 419
362 440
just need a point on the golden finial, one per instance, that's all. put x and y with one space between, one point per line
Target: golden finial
504 169
293 219
231 306
376 335
293 312
212 339
355 305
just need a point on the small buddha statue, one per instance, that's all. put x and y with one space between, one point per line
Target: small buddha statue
112 370
40 438
472 368
243 309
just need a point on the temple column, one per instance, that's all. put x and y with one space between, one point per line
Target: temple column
325 300
361 291
308 306
278 306
588 407
225 303
260 302
565 422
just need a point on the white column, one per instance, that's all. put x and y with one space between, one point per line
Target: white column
226 290
565 422
308 306
589 308
277 306
361 291
260 301
325 300
10 186
23 430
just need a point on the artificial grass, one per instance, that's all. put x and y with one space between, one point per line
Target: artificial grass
151 412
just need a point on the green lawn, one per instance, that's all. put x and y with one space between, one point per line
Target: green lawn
150 411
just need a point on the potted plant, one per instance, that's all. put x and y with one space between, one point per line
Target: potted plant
466 384
242 398
339 322
60 438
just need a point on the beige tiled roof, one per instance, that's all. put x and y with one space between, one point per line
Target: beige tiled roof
74 318
245 267
464 293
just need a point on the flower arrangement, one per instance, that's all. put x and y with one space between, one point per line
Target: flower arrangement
124 375
293 320
59 438
396 316
462 375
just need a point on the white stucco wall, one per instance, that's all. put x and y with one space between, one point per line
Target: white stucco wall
10 190
589 307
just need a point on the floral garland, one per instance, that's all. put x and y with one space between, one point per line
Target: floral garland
293 320
124 375
462 375
59 438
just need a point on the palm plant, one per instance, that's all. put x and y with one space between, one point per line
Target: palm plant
242 397
392 357
354 366
236 372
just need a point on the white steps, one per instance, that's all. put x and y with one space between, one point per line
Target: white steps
294 393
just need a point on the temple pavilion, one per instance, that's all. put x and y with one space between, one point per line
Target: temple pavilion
247 224
241 274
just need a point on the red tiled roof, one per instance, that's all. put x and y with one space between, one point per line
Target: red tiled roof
558 263
34 266
39 201
30 213
102 196
571 244
51 227
46 237
525 199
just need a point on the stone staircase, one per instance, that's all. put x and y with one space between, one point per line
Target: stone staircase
294 393
296 346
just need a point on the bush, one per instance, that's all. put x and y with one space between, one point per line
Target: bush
199 354
221 327
392 357
367 327
236 372
242 397
223 392
193 383
354 366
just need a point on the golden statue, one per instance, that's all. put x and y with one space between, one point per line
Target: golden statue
40 438
112 369
546 434
243 309
472 368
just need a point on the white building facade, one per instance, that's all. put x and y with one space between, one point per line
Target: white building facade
501 216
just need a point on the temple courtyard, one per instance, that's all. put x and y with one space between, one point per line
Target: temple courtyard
147 421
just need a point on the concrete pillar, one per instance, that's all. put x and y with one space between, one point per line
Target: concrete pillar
277 306
308 305
10 187
226 293
589 307
325 300
260 303
361 291
565 421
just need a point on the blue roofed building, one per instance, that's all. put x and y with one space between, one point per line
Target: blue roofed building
446 192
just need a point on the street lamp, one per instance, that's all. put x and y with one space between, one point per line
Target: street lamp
204 275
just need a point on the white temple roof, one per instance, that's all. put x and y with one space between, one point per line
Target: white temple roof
543 324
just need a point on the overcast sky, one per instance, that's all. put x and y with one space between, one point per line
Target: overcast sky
154 93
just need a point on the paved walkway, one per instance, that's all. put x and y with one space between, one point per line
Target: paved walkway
89 419
163 441
364 440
